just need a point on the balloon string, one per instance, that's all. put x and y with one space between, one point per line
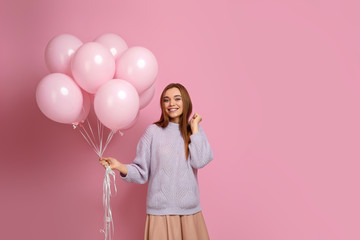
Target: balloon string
99 150
108 219
98 128
89 141
92 141
101 137
111 134
92 133
100 132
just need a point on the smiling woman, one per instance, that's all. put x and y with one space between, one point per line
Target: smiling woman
169 155
176 107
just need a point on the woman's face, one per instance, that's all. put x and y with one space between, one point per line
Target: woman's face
173 104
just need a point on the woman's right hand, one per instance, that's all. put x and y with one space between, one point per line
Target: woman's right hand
114 165
109 161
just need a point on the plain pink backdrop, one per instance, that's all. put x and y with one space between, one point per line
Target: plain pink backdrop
277 84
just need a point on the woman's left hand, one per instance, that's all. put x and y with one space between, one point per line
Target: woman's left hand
194 123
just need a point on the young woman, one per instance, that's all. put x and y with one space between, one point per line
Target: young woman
168 155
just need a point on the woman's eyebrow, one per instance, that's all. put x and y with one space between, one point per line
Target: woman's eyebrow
174 96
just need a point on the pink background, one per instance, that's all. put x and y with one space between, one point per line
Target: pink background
277 84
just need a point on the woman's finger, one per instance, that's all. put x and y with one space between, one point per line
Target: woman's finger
105 164
108 159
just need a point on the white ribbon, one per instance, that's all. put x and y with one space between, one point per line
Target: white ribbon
108 220
99 146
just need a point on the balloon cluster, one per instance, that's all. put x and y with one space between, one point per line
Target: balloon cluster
122 80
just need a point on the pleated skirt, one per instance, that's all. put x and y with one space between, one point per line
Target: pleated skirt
176 227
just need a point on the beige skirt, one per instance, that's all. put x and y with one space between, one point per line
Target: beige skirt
176 227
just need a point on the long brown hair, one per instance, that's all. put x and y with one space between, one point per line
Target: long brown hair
184 118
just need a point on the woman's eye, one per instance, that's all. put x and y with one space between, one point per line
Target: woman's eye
166 100
177 99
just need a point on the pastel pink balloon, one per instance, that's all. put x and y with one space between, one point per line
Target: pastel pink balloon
59 51
92 66
85 108
138 66
130 125
59 98
116 104
147 96
114 43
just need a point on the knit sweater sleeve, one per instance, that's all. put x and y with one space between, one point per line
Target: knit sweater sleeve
200 150
138 170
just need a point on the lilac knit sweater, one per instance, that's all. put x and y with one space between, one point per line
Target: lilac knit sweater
160 158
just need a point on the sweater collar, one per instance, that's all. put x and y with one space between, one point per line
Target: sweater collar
172 125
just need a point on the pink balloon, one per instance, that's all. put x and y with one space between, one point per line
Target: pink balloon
147 96
138 66
116 104
85 108
59 51
130 125
59 98
114 43
92 66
